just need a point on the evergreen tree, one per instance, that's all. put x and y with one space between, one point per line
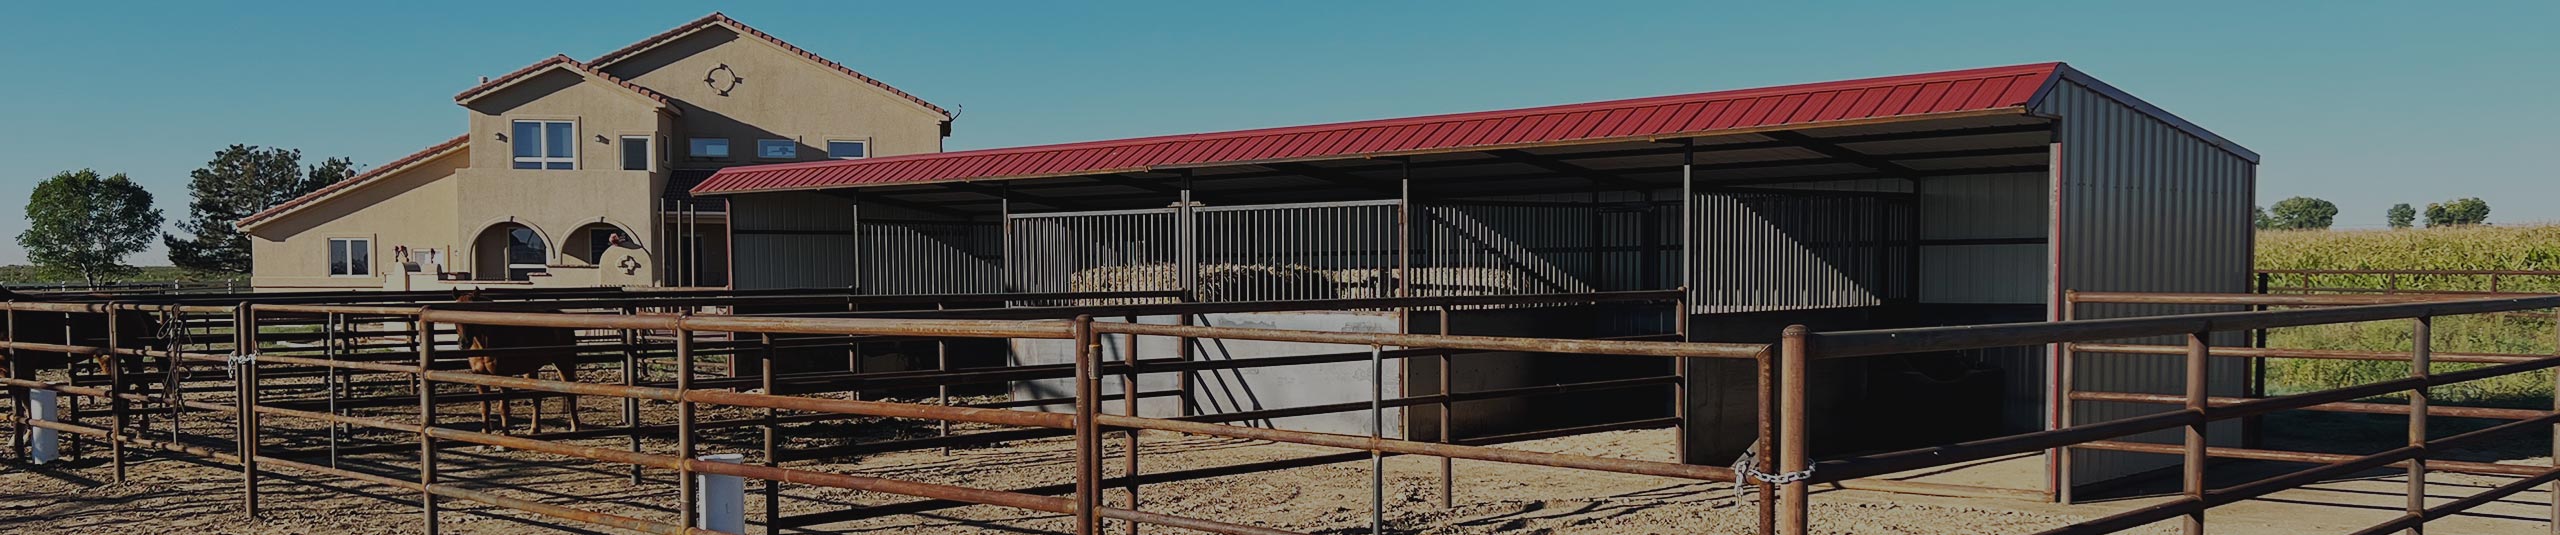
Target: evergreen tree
241 180
80 225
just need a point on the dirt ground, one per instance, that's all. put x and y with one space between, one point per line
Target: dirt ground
174 495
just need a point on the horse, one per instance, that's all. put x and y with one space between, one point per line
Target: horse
496 337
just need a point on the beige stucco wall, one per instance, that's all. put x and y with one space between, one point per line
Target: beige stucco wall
412 208
784 96
553 202
448 203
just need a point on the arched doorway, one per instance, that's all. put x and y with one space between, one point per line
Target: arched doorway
509 251
591 244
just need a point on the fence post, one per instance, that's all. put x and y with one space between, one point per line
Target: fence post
2421 350
772 436
114 362
1377 430
1088 438
46 441
1129 404
1766 459
2199 353
684 427
244 331
425 335
631 340
1792 354
1448 467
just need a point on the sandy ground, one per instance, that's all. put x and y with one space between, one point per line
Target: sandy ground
174 495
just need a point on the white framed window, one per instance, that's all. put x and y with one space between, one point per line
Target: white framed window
546 144
350 257
709 147
848 149
635 153
777 149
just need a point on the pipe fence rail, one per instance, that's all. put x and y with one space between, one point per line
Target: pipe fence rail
306 386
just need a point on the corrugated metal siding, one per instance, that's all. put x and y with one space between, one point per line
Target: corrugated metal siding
2146 207
1983 207
1681 115
793 241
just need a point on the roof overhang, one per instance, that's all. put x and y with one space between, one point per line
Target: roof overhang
562 63
333 191
719 20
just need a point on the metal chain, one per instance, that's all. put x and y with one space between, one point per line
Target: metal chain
1745 471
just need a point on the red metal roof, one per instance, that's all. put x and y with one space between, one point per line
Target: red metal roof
1676 115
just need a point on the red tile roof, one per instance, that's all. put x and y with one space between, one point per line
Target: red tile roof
1666 116
716 18
563 61
387 169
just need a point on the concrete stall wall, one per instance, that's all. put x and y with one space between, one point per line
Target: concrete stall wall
2145 206
1239 390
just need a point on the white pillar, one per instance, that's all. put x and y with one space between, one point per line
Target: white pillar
46 440
722 499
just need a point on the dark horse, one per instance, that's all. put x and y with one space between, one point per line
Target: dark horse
496 337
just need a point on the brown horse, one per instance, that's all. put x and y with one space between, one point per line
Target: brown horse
497 337
77 329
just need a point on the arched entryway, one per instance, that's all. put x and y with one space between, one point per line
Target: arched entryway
509 251
593 243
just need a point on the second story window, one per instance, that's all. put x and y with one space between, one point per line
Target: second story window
635 153
546 145
777 149
848 150
709 147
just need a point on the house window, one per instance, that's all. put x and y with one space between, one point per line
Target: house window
710 147
525 254
546 145
598 241
777 148
848 150
635 153
350 257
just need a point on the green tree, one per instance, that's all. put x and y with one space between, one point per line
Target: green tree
330 171
2303 213
2401 215
2457 212
80 225
241 180
2258 218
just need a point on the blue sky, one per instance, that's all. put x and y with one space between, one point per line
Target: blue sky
2362 103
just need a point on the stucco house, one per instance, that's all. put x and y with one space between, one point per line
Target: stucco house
574 173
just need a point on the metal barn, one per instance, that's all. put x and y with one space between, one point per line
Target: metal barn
1964 197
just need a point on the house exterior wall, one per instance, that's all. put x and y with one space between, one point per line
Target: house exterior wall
783 96
412 208
2143 206
448 204
555 202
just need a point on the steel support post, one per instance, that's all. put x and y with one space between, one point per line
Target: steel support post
2555 428
114 362
1448 467
941 391
631 376
773 437
329 325
1792 349
685 483
2199 359
1688 277
425 335
1764 460
1088 437
1377 430
1129 406
244 332
2421 338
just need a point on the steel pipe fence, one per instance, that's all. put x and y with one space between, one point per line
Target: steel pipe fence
1798 471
